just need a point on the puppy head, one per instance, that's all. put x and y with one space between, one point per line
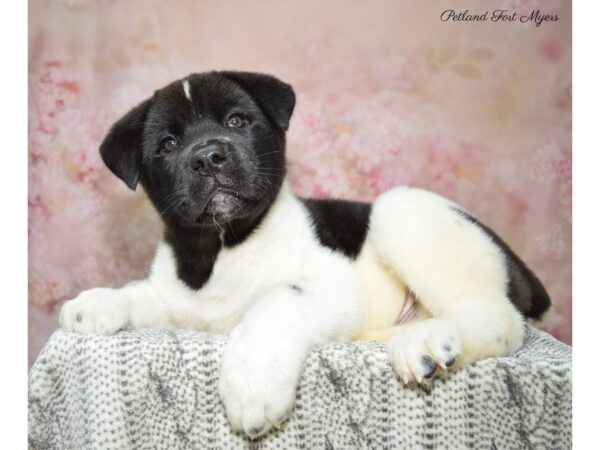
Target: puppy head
207 149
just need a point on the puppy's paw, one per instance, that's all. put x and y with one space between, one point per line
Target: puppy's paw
95 311
258 385
420 348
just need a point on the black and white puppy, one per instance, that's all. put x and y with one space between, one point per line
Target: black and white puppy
242 255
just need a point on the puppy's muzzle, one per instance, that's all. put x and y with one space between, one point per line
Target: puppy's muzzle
208 158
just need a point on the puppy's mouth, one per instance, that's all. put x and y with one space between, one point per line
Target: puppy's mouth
221 205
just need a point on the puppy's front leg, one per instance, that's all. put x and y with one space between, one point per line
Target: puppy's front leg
265 353
107 310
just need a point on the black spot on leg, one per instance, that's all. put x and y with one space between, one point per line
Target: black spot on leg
295 287
79 317
447 348
449 362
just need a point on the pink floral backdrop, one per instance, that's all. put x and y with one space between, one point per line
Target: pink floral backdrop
387 94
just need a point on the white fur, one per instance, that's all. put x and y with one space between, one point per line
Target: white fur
414 240
272 326
186 90
456 271
436 339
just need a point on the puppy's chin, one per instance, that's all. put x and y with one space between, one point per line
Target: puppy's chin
225 206
221 207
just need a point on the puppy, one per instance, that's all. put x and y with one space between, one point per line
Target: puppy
243 256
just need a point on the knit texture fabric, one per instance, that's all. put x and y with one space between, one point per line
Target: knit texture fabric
151 389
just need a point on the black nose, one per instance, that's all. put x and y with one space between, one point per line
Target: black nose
208 159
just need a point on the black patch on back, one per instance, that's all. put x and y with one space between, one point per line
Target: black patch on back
525 290
340 224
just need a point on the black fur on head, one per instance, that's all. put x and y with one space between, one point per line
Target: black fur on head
208 149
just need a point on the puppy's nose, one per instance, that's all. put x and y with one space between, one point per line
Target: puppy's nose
208 159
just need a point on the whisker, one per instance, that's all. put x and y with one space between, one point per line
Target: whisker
269 170
172 201
168 207
269 174
159 124
231 228
267 154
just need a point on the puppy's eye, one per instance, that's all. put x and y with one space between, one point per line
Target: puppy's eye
237 121
168 144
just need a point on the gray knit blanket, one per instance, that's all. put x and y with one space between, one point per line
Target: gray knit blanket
150 389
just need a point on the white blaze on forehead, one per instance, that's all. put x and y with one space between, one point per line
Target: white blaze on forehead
186 90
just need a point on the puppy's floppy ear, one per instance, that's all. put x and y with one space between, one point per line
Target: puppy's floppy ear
275 98
121 149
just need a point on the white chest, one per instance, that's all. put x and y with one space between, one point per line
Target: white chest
283 250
